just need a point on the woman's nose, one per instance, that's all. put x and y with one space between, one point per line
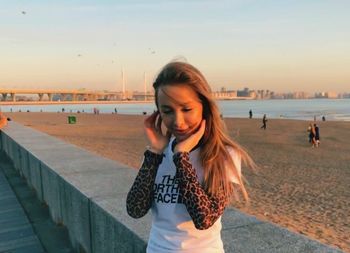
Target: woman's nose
178 120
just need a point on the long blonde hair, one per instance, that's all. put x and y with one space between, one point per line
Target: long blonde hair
214 152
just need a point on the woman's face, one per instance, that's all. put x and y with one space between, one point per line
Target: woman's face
180 109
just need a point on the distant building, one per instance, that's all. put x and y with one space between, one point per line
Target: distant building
243 93
277 96
252 94
320 95
331 94
328 94
300 95
345 95
223 94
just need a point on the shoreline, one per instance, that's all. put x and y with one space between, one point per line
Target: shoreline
300 188
274 109
141 113
74 102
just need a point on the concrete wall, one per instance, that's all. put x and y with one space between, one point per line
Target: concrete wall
87 193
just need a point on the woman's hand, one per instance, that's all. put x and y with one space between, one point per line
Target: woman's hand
188 144
153 129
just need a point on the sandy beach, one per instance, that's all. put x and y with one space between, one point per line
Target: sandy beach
298 187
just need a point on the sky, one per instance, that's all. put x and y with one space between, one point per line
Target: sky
280 45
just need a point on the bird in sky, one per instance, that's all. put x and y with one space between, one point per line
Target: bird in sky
151 50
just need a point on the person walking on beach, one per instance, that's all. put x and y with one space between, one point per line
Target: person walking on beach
312 135
309 130
264 120
317 135
191 168
250 114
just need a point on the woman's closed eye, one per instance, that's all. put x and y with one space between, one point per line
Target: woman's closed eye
167 111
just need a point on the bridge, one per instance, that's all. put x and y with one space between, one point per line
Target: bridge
62 95
84 95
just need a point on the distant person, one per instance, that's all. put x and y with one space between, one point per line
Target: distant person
264 120
115 110
317 135
309 130
323 118
312 135
182 181
250 114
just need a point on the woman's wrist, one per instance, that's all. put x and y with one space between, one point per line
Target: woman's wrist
152 159
182 147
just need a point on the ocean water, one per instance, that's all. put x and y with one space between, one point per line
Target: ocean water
301 109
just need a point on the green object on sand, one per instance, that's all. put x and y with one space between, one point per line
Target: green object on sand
72 120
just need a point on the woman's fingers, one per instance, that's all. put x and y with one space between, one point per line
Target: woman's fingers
150 121
154 122
150 129
196 136
202 129
189 143
153 130
159 123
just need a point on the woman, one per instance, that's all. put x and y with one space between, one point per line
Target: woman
191 168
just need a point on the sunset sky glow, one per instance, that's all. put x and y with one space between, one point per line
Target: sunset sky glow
276 45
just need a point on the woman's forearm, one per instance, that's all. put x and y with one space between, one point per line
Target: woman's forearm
139 199
203 208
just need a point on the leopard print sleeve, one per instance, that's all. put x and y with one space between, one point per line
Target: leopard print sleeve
139 199
203 208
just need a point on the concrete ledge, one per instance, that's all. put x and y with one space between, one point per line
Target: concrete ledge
87 194
120 236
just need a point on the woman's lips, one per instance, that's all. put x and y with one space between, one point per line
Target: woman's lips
180 131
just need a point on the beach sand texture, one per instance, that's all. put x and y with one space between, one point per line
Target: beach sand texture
304 189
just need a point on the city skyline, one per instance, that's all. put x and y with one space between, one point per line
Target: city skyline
83 95
282 46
